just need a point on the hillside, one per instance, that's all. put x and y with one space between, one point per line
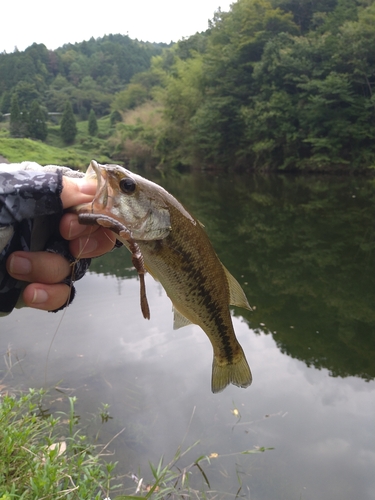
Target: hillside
87 74
272 85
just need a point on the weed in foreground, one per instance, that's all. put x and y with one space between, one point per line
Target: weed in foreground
175 482
43 457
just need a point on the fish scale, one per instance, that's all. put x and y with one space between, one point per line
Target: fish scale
200 283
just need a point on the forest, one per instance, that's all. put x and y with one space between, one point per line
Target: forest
271 85
87 74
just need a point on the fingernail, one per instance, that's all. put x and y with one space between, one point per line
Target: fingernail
40 296
87 245
19 265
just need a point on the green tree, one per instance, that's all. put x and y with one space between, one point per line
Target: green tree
15 118
26 93
37 122
134 95
270 97
305 12
68 127
6 102
93 124
235 45
313 102
115 117
102 66
75 73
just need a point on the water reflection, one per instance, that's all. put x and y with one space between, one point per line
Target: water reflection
303 251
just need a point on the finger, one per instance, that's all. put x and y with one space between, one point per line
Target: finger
86 241
40 267
77 190
46 297
93 245
70 228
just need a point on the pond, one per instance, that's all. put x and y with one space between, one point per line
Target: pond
303 250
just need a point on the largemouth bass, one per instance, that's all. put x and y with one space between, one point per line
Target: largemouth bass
166 241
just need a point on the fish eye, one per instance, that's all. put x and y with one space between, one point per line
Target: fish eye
127 185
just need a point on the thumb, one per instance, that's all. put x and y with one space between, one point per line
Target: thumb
77 190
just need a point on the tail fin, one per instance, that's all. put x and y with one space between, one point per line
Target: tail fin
237 373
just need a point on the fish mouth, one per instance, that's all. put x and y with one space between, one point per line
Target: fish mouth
96 172
101 196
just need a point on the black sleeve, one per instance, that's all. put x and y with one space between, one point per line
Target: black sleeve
28 194
30 211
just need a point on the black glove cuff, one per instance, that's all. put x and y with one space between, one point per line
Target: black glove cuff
79 267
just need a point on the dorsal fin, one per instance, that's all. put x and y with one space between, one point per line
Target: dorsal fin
237 296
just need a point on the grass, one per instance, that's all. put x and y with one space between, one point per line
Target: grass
54 151
174 481
47 457
18 150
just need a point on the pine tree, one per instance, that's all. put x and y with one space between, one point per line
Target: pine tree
15 117
68 127
115 117
24 126
6 102
93 124
37 122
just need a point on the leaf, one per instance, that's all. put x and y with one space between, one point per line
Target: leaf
203 474
257 450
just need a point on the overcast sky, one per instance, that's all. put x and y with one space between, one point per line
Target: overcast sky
24 22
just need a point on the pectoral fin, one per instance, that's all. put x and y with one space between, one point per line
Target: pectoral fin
237 296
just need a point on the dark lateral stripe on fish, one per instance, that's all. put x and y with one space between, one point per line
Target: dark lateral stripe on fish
200 280
210 304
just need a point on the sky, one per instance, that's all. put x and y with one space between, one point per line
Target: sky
56 23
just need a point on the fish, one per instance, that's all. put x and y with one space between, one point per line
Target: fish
167 242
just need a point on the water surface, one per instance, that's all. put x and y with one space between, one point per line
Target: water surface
303 250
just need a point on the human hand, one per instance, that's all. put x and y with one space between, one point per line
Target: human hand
85 241
44 270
